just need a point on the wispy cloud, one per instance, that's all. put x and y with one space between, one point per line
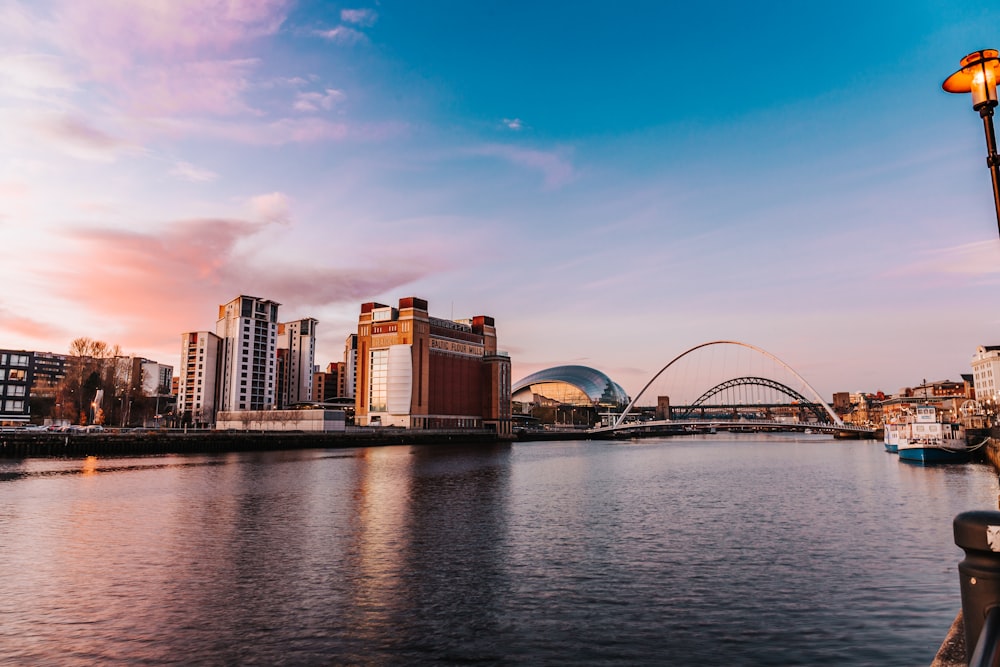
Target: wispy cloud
274 207
33 76
313 101
978 259
342 35
513 124
80 138
189 172
362 17
555 168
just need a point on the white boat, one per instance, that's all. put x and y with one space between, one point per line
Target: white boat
891 437
925 437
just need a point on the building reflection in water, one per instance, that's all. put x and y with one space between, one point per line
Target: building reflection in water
430 543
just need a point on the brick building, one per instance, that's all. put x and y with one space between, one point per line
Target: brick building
423 372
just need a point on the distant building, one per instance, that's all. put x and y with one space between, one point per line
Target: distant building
945 395
575 395
15 384
248 328
986 373
49 372
349 378
423 372
197 386
155 377
296 352
328 384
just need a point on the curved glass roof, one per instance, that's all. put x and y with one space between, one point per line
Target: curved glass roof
598 387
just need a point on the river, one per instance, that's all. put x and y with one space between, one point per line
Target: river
700 550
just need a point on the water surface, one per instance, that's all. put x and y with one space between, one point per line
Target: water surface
705 550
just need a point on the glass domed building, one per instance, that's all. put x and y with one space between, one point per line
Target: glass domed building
572 387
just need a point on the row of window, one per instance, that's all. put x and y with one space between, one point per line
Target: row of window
13 406
13 375
13 390
14 360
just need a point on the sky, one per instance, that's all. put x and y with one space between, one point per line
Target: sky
613 183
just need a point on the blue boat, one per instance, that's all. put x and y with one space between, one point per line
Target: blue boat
927 438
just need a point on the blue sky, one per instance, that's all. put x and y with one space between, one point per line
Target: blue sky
614 184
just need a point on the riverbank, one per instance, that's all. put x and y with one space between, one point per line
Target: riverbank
151 443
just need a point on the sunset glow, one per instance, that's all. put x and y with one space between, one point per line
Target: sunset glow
566 168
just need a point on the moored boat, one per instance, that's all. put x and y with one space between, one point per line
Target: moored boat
926 437
891 437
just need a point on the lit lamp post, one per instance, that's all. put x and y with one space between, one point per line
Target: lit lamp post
978 76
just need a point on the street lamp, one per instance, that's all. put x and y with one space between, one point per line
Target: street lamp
978 75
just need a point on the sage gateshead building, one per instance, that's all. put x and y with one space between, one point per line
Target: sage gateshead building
422 372
578 391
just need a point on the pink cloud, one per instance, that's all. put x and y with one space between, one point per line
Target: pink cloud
165 58
215 87
274 207
153 286
79 137
16 325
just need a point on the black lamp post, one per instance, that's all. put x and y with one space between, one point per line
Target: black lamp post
978 75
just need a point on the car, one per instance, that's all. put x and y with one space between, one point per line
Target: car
93 428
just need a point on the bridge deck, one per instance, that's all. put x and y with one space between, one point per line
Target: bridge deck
750 424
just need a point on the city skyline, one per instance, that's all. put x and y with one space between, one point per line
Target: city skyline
613 186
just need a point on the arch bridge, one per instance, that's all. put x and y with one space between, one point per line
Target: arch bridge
747 402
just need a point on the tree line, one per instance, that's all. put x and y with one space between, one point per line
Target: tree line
101 386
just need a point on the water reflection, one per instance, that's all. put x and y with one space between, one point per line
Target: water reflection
693 551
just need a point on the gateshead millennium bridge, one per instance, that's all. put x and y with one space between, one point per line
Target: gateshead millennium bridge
745 401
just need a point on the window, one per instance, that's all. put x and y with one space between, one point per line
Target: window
378 387
13 406
19 360
15 390
17 375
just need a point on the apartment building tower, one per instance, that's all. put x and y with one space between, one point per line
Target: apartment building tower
197 386
248 329
296 355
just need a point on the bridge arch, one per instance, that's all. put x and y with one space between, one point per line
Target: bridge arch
757 381
815 395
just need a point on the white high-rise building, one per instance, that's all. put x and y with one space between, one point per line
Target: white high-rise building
248 327
296 359
986 372
198 382
350 365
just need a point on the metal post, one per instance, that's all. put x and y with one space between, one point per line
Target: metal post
978 534
992 159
